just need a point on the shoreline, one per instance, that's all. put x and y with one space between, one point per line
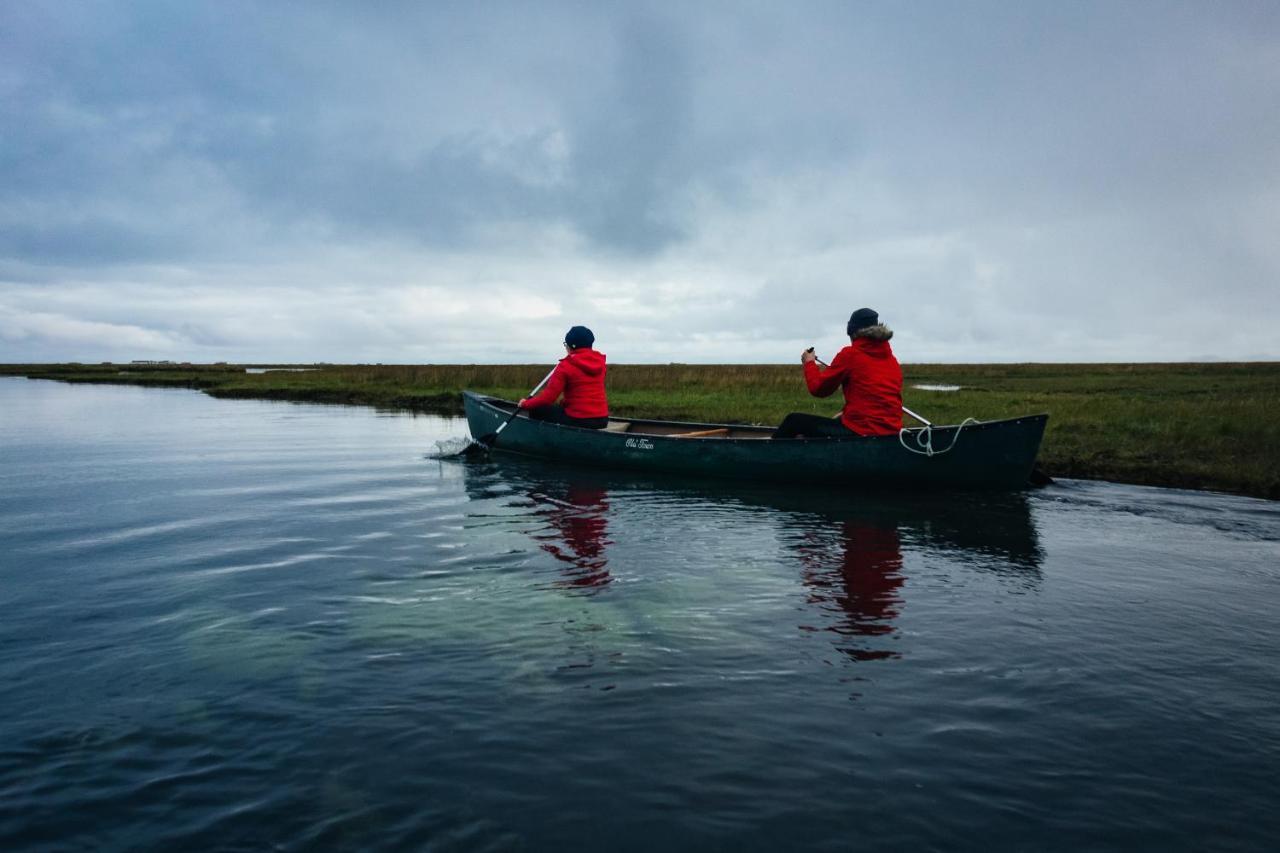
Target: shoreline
1207 427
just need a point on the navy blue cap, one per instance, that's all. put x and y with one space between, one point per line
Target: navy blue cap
579 336
860 319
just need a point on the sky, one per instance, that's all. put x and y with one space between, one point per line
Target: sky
410 182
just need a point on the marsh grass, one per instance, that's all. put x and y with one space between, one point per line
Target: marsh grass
1209 426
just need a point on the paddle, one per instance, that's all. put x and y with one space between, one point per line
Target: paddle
488 439
904 408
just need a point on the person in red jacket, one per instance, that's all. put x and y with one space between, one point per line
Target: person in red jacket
580 377
869 375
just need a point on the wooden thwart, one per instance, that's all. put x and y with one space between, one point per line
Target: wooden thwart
703 433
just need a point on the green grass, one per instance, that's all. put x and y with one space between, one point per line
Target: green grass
1209 426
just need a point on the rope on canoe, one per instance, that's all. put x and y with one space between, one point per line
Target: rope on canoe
924 439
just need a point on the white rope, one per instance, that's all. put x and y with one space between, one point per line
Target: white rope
924 438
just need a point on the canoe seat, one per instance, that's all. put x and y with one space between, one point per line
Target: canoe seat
618 426
703 433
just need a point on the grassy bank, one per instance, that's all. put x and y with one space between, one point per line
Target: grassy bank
1211 426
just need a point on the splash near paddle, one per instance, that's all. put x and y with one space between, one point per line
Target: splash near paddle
454 448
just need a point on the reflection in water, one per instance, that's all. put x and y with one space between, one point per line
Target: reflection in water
851 552
858 576
578 517
850 548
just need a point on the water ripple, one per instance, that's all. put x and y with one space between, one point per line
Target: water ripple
238 625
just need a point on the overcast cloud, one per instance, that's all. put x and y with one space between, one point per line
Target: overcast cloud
460 182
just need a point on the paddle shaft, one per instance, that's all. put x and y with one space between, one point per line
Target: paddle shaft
904 408
490 439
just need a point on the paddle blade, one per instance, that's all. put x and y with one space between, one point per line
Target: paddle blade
489 438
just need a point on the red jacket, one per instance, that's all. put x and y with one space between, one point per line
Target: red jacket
872 381
580 375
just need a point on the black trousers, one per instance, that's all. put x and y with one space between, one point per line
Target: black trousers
801 425
555 414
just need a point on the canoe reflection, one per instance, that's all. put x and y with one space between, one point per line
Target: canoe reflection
849 548
577 516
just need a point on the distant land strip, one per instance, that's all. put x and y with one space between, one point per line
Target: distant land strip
1200 426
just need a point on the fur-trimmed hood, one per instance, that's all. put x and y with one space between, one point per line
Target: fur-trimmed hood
878 332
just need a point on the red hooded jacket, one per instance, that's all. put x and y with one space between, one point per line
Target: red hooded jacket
872 381
580 375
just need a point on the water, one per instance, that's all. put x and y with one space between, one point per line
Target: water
244 625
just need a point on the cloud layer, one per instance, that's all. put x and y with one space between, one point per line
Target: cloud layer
462 182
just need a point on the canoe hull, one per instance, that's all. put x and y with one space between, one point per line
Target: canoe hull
994 454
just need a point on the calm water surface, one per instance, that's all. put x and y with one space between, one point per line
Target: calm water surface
245 625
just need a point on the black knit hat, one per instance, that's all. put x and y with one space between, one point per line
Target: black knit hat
860 319
579 336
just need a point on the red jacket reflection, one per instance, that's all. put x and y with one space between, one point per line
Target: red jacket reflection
862 576
579 533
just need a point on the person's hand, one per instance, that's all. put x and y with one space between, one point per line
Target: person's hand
522 402
807 356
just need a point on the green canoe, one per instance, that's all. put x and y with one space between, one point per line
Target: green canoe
992 454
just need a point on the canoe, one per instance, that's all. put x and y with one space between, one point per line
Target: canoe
989 454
